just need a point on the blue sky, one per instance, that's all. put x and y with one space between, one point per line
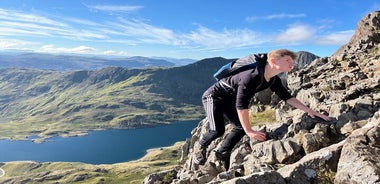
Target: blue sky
179 28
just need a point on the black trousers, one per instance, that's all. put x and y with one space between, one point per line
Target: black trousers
218 108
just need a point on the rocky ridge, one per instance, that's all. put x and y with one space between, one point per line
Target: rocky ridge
302 149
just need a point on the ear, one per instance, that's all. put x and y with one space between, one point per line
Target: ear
272 61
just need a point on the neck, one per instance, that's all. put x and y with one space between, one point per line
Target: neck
270 72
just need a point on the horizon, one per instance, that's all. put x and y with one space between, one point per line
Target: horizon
182 30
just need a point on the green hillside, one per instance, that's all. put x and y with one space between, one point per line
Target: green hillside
48 103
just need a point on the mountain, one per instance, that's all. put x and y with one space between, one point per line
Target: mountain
177 62
301 149
49 102
77 62
304 58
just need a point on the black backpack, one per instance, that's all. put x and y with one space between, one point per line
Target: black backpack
249 62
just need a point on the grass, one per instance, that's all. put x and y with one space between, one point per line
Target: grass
326 177
264 117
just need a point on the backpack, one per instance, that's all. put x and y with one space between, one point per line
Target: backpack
249 62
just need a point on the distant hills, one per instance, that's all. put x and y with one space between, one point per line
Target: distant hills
48 102
80 62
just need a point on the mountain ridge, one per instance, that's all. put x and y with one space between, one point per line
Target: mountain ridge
57 103
66 62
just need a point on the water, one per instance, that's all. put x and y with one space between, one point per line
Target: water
99 147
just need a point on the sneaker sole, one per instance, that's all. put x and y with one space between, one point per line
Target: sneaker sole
196 161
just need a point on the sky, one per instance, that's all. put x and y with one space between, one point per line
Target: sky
195 29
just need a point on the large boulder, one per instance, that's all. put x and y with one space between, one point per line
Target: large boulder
360 158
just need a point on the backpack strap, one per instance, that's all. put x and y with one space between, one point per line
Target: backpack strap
229 89
242 64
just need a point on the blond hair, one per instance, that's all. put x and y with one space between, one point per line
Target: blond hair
281 53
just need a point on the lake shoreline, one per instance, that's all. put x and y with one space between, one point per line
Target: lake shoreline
41 137
134 145
133 171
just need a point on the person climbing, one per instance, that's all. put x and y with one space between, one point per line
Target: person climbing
230 97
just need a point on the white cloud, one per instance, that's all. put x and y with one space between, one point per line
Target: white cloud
115 53
13 44
14 23
275 16
82 34
82 22
143 32
337 38
27 29
140 31
296 34
9 31
114 8
26 17
28 25
122 30
225 39
80 49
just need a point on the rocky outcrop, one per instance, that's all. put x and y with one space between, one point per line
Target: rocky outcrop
364 42
304 150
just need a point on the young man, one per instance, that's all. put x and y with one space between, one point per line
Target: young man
230 98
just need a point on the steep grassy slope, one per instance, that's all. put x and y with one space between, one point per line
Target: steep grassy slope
48 103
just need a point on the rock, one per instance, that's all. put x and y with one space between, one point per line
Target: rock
365 38
314 165
270 177
80 177
360 157
160 176
276 151
316 139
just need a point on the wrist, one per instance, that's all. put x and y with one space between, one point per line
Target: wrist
249 131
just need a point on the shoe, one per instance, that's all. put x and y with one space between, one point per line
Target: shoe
223 155
199 154
266 167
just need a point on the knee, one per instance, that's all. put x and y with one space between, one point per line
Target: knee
220 133
217 133
238 130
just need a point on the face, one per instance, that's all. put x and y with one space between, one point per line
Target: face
285 63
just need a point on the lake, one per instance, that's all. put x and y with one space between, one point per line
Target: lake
98 147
